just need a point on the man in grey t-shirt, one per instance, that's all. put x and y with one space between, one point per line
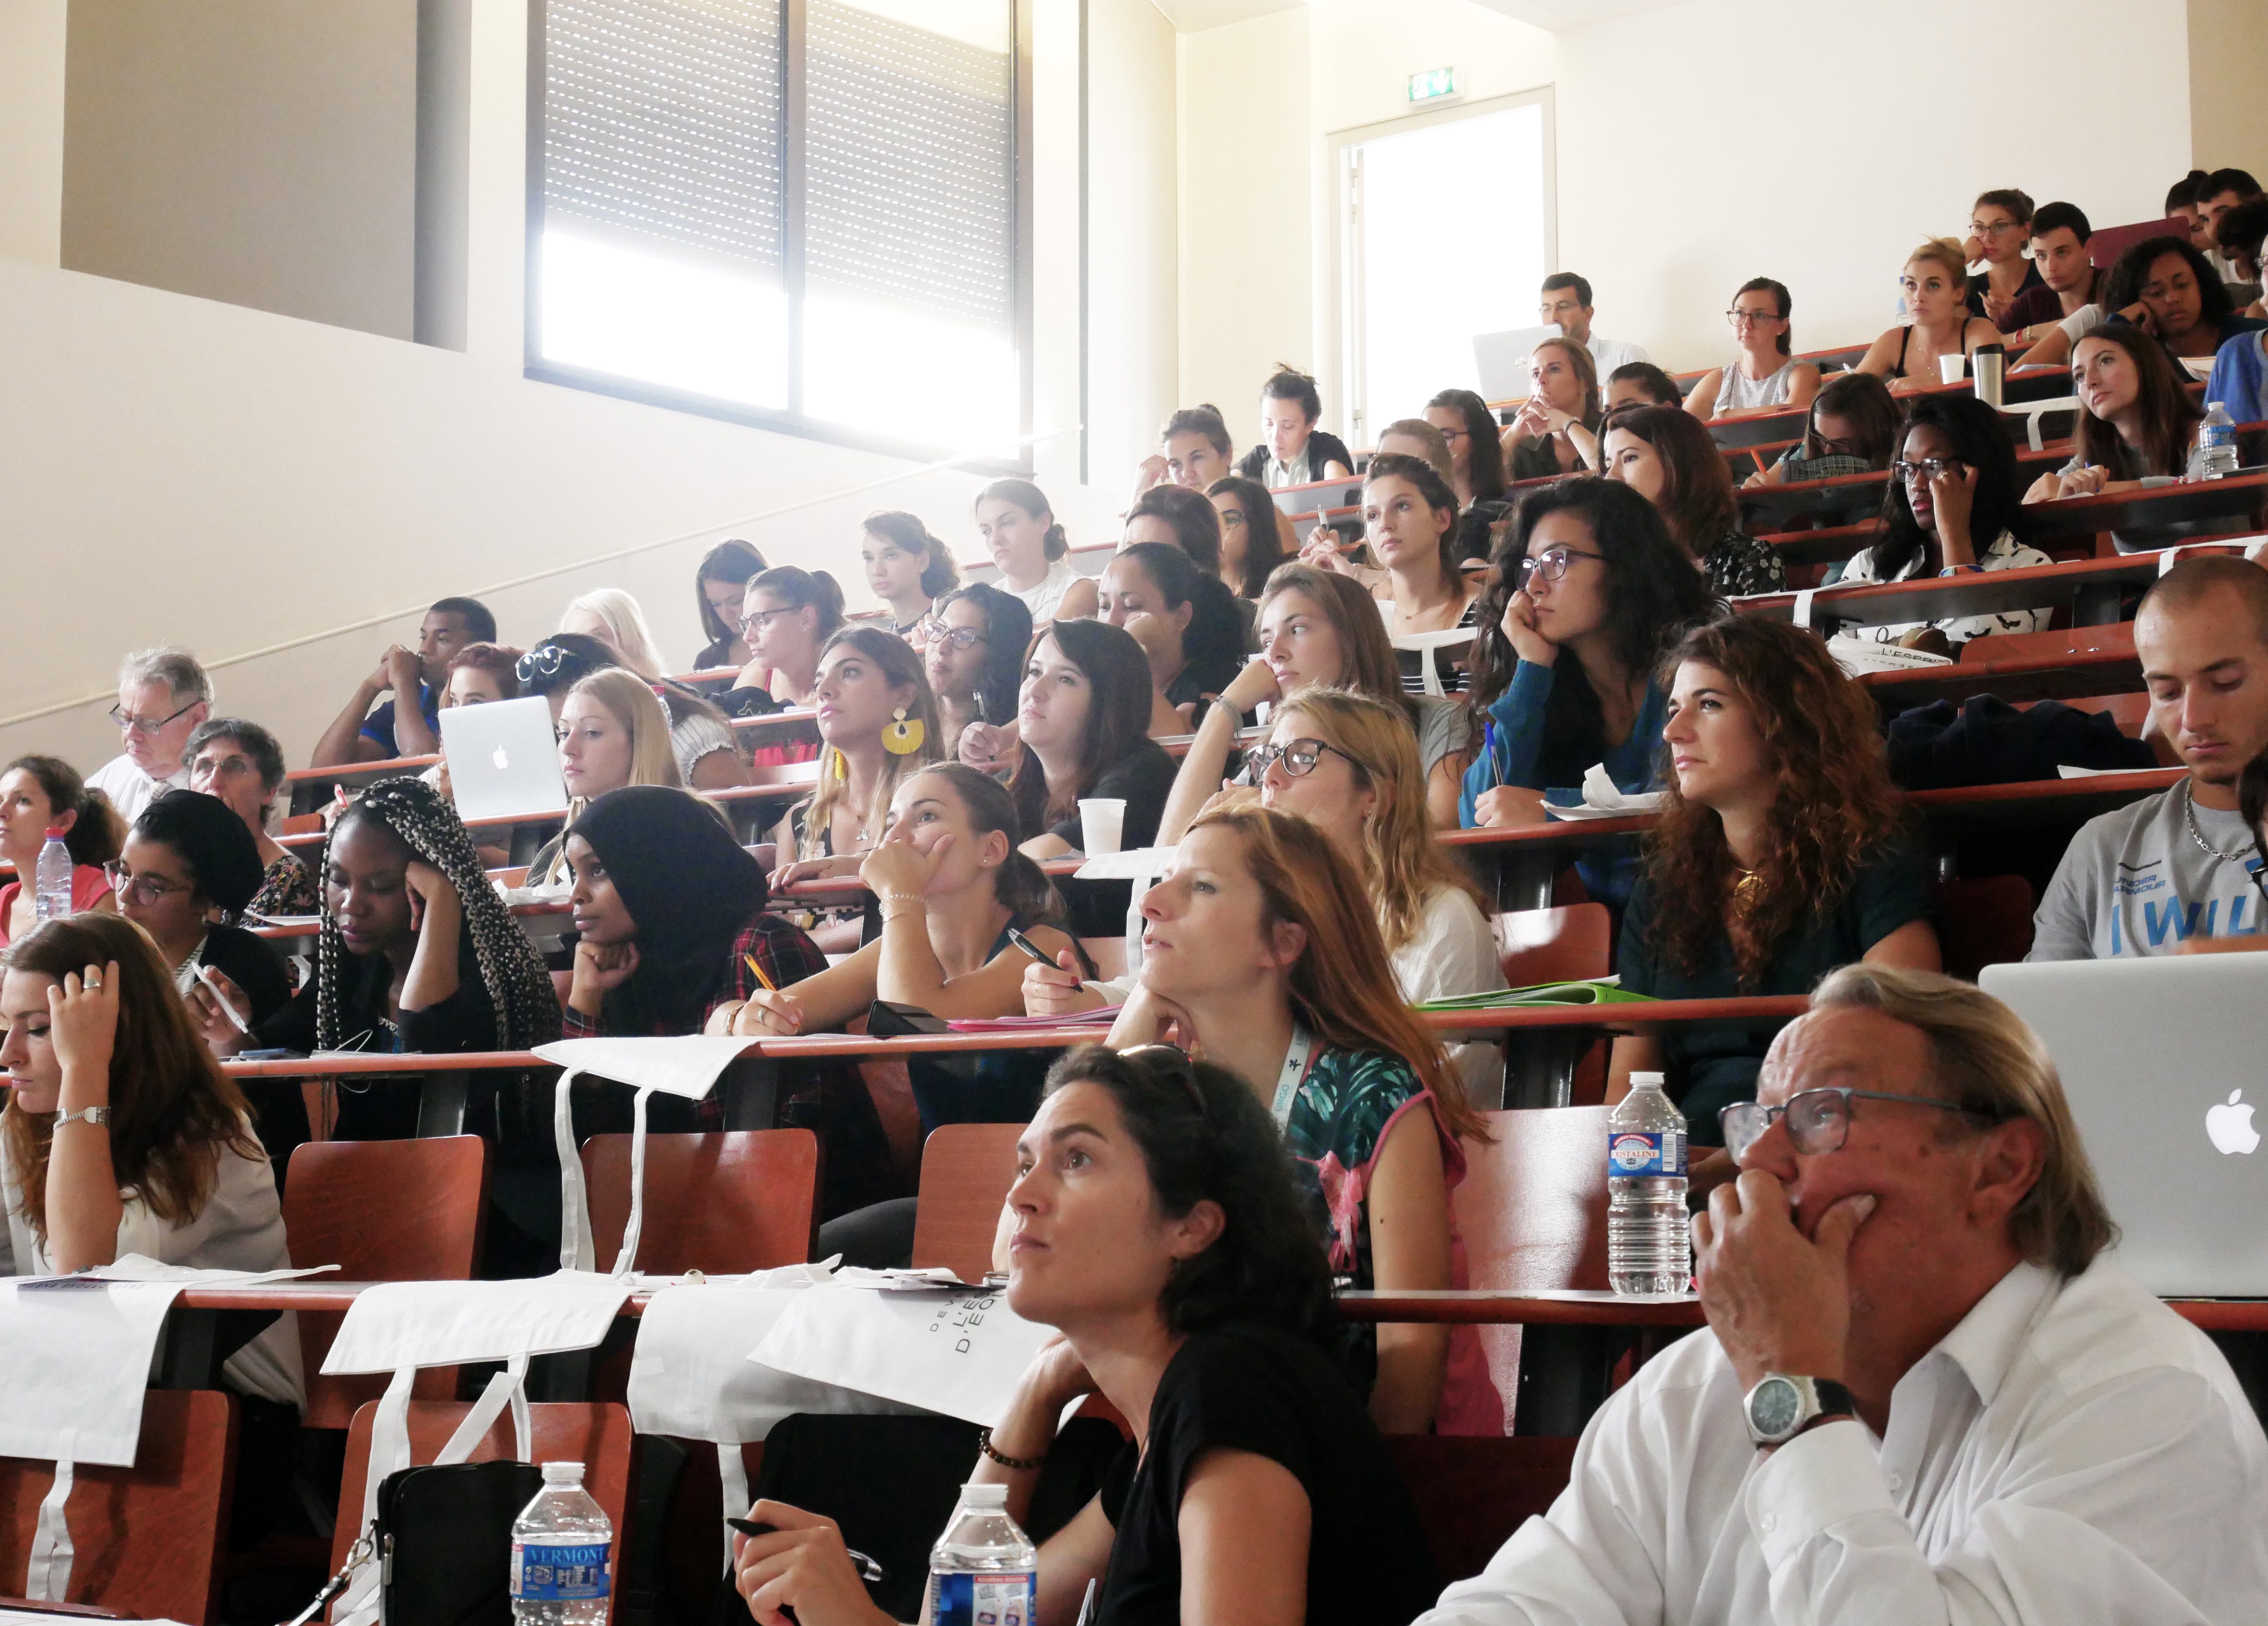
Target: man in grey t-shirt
2147 878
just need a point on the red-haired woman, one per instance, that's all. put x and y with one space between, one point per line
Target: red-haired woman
1261 953
1779 854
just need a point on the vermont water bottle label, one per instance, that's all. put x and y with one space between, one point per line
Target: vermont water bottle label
992 1598
559 1572
1635 1154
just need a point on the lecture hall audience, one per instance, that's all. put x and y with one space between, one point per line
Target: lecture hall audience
907 569
720 584
1293 451
1999 225
787 615
1766 374
973 655
1188 623
1666 457
187 870
1251 539
1852 429
1939 323
1195 450
1557 430
1566 305
2068 278
364 734
1029 549
2136 416
241 763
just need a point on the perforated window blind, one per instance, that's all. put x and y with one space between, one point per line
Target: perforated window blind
778 202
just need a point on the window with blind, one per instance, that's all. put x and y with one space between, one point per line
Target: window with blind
804 214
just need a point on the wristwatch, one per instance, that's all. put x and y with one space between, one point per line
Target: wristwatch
89 1115
1780 1407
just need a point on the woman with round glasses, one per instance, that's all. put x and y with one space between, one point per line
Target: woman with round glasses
1764 375
1592 591
186 857
973 654
37 794
1260 953
1780 854
787 616
1952 498
1935 282
2000 226
241 763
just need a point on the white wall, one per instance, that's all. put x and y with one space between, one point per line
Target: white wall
1704 144
180 469
2228 64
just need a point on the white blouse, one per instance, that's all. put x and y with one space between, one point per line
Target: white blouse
1045 596
2004 554
1454 951
239 1228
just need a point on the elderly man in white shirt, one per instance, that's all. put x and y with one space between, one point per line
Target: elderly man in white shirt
163 695
1922 1395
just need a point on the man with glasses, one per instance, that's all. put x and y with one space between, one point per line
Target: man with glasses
163 695
1567 306
360 734
1924 1394
2177 867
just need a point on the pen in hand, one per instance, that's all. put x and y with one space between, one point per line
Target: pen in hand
874 1574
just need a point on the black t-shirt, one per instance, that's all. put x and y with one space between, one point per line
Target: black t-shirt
1142 777
250 963
1245 1387
1712 1064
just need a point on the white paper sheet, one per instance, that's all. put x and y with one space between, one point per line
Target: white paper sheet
1133 864
957 1353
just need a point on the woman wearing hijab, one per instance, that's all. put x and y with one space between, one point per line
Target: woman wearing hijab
670 913
417 953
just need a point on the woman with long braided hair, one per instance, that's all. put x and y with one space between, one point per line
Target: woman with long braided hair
417 953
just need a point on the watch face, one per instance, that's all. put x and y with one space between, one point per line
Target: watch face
1774 1407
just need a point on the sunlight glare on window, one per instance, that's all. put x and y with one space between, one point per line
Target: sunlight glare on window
663 321
899 372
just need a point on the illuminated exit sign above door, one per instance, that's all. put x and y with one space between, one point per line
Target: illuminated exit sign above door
1433 84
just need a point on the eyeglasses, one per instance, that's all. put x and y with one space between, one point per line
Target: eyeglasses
1928 468
756 621
1169 1061
1456 434
1299 757
938 632
146 890
1737 317
1551 564
1978 228
1818 1121
1852 448
147 725
545 661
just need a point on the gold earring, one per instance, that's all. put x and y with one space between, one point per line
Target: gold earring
903 738
841 768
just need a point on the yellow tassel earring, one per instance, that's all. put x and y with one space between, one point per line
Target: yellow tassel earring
903 737
841 768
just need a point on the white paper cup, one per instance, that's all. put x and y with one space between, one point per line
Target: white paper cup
1952 369
1103 822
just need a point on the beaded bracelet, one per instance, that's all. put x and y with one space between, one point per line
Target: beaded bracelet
1021 1465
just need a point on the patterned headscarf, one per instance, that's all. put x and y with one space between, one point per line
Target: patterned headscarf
520 988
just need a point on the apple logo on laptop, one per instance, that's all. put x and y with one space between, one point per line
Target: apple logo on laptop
2229 1126
503 760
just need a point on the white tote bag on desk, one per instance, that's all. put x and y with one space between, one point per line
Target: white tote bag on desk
687 1066
958 1351
75 1358
398 1327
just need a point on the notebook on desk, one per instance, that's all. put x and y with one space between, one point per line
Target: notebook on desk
502 758
2163 1061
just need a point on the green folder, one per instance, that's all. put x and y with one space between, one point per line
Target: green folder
1601 992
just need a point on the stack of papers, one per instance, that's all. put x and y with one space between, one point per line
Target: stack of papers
1605 991
1101 1016
1858 656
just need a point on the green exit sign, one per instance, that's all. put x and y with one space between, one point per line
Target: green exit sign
1432 84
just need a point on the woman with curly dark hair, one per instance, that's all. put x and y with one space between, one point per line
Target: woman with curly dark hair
1780 855
1153 1222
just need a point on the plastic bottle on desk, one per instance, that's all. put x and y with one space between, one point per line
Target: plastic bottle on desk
51 885
983 1570
562 1546
1649 1245
2215 457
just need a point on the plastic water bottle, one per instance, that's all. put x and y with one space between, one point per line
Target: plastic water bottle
984 1571
562 1544
51 895
2215 456
1649 1247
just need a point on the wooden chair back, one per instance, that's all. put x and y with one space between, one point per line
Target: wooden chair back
595 1433
1532 1210
966 1170
2058 642
1986 921
1570 944
722 1203
1472 1492
148 1538
382 1210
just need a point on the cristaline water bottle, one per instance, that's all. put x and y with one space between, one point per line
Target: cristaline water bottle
983 1571
2215 457
1649 1247
51 887
562 1544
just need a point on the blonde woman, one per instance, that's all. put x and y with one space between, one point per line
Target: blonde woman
878 723
1935 283
612 733
614 618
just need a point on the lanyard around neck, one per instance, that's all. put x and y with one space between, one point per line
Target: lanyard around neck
1295 1068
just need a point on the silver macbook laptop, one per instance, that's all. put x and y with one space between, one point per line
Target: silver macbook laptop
502 758
2164 1062
1501 361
